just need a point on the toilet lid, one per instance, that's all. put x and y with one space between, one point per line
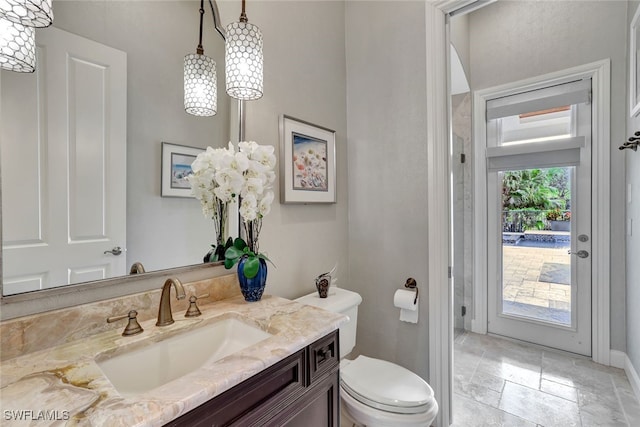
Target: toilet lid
386 386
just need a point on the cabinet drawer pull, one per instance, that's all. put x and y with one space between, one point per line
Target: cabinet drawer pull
324 354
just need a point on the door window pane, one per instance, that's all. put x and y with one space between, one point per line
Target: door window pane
546 125
536 238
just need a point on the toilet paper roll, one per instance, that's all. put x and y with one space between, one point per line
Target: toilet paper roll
403 299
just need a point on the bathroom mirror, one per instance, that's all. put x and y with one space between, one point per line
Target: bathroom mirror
161 232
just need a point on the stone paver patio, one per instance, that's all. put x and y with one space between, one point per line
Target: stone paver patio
523 291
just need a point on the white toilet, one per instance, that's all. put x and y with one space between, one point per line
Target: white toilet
373 392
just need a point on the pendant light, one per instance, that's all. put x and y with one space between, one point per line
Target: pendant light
30 13
200 82
243 59
17 47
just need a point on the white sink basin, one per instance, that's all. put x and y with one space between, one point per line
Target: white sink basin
143 369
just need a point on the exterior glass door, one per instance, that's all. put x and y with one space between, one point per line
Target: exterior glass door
539 217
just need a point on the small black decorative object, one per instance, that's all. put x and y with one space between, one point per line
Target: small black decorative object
323 282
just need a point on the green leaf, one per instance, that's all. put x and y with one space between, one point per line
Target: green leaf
264 257
229 262
233 253
239 244
251 266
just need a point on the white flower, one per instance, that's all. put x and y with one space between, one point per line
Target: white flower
253 186
263 154
225 174
248 147
240 162
224 193
248 207
271 177
264 206
232 179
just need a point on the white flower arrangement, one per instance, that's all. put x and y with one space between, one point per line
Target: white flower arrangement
223 175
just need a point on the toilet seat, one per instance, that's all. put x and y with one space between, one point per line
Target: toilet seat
385 386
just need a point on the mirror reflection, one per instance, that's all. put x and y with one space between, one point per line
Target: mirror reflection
82 145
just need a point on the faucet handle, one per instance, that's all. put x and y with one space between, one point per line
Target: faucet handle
193 310
133 327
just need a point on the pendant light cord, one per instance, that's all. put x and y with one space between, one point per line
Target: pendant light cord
243 15
200 49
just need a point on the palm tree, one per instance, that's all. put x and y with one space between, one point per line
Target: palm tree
531 188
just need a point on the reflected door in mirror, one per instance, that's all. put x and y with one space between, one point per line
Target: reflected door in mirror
59 126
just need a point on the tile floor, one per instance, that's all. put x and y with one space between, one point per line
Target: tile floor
499 382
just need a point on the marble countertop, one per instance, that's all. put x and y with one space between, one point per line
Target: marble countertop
63 385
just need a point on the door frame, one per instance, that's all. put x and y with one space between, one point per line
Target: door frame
600 196
438 119
439 130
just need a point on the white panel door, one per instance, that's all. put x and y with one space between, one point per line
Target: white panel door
64 165
539 270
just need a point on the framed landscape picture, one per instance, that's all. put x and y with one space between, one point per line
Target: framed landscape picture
307 162
176 167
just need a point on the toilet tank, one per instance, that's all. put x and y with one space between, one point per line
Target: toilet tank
339 301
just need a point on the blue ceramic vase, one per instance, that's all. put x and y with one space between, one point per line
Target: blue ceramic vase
253 288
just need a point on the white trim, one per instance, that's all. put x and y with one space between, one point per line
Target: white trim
632 375
618 359
440 292
535 147
601 202
480 249
575 92
461 7
600 75
438 138
634 103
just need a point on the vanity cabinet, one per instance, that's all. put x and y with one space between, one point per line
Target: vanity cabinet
301 390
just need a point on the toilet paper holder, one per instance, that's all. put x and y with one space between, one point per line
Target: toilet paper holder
411 284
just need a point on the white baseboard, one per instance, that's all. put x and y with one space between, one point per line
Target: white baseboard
617 359
632 374
478 327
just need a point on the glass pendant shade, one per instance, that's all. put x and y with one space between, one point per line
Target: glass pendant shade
200 85
30 13
17 47
243 59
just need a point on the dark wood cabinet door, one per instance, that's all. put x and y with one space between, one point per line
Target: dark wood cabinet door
253 398
301 390
317 408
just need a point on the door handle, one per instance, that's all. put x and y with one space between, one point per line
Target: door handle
115 251
581 253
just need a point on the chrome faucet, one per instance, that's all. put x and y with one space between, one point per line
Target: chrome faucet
164 310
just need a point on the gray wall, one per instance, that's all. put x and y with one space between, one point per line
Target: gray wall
305 77
459 36
511 41
161 232
386 109
633 241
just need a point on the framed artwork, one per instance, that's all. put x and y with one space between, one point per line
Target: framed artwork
307 162
634 61
176 167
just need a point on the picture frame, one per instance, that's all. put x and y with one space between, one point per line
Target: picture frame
634 62
307 162
175 167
